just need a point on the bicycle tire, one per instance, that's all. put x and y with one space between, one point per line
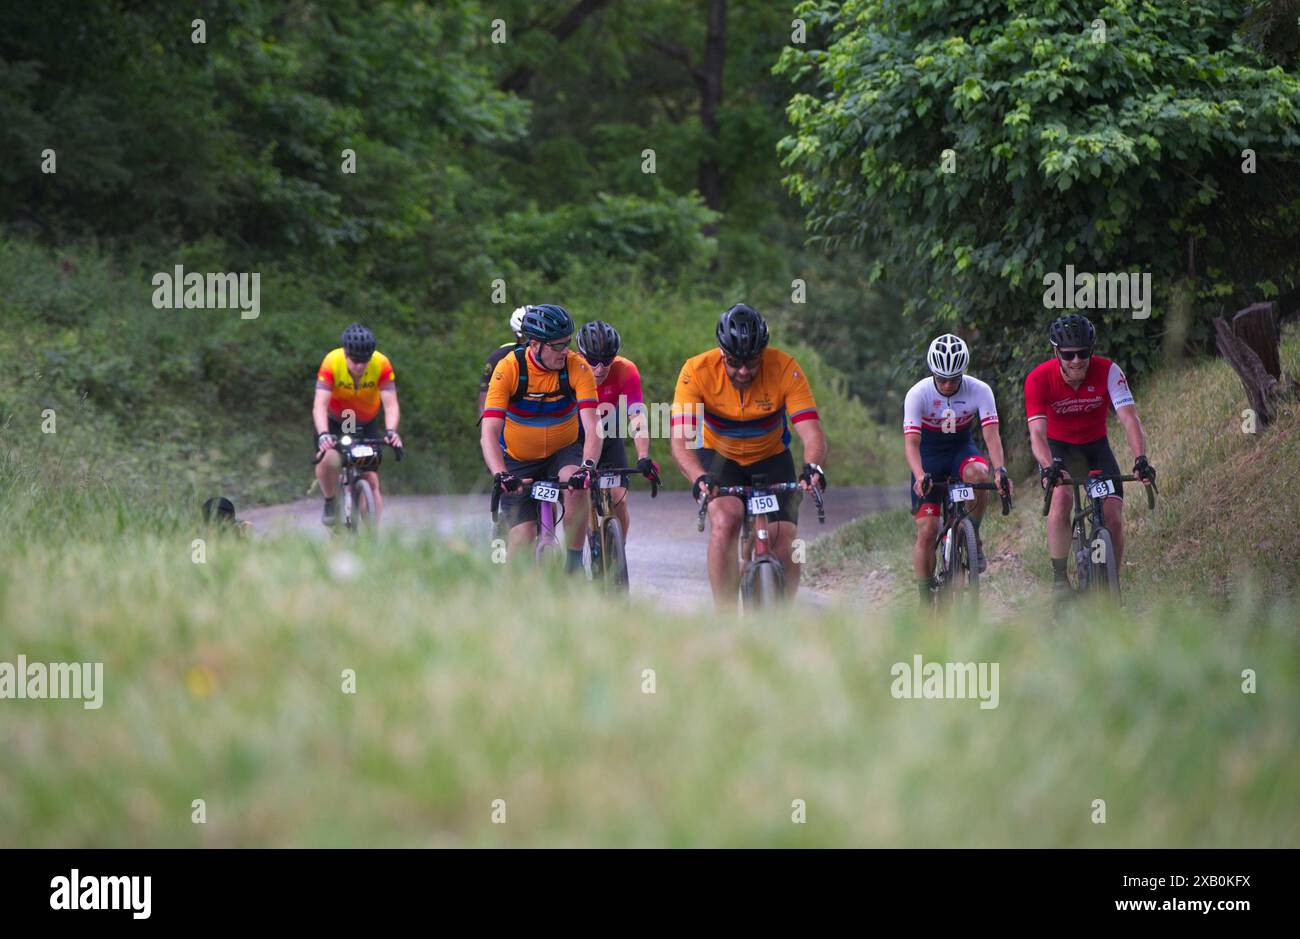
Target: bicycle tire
614 555
762 584
365 514
965 562
595 557
1105 575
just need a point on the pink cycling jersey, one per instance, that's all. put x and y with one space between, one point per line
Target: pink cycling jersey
623 379
1076 415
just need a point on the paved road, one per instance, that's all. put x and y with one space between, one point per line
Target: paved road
666 554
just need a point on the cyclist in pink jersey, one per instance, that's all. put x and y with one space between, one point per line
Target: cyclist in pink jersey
1067 401
618 388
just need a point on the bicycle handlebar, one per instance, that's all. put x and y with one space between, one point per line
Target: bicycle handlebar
1112 477
1004 492
746 491
629 471
566 484
369 441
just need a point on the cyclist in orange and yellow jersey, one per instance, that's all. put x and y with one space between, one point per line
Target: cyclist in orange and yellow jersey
749 396
538 398
353 381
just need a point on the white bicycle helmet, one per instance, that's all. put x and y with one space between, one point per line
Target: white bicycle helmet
517 321
948 357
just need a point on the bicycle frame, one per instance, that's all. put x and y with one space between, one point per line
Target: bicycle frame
547 521
954 513
1087 521
350 473
754 536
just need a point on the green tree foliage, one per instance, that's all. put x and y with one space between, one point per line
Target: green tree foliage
1108 137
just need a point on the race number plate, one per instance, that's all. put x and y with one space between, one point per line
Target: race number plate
545 492
762 505
362 450
610 482
961 493
1098 488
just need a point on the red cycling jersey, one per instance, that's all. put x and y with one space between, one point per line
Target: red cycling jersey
1076 415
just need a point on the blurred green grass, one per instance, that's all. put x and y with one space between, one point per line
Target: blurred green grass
223 682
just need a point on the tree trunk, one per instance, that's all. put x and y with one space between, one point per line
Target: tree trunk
1261 387
1255 326
710 82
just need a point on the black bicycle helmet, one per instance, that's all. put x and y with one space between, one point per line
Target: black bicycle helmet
598 340
358 343
742 332
1074 331
547 322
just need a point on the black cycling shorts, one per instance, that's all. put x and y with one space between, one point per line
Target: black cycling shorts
1081 457
776 469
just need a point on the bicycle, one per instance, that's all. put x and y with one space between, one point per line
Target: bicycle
956 567
546 492
762 575
361 455
1095 565
605 545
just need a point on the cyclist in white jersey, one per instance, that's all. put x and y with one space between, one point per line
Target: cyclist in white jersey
939 413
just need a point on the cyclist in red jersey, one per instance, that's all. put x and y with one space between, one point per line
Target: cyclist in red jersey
617 378
1067 400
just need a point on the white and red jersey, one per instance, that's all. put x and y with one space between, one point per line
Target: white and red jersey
927 412
1076 415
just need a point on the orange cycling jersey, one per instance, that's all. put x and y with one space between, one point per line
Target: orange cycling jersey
743 426
544 420
360 396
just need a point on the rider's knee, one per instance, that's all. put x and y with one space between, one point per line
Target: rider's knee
975 472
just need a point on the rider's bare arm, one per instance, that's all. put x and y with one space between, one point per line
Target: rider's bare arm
592 443
1038 442
490 441
1137 437
912 450
686 459
320 409
993 440
392 413
814 441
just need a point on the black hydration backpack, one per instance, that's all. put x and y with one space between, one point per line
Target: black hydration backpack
521 390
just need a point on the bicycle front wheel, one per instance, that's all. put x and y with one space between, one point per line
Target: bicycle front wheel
762 584
364 516
1105 565
965 562
614 556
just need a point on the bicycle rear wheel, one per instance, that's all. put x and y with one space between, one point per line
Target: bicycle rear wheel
1104 573
614 556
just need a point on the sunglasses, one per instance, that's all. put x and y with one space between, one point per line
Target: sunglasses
600 363
1069 355
733 362
557 346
